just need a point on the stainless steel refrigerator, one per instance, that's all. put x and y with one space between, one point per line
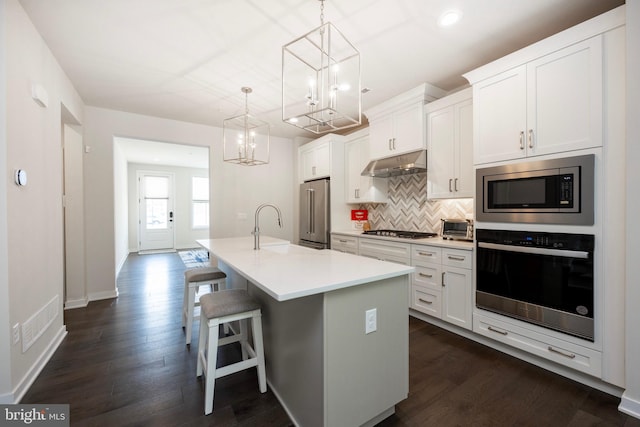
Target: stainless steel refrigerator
315 225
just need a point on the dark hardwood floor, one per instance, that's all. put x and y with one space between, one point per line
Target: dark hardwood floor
124 363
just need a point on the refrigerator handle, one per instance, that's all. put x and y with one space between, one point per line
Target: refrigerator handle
310 212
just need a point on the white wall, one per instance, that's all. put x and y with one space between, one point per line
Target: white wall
5 326
631 397
185 235
234 189
34 224
121 206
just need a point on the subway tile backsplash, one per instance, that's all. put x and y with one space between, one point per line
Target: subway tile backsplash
409 209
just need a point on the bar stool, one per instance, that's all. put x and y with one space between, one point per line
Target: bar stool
194 278
222 307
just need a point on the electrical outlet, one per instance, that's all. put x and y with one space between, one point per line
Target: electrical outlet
370 320
16 333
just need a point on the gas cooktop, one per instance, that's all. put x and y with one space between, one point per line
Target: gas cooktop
400 233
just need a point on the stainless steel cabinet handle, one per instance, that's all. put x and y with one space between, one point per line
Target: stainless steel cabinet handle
313 170
450 180
428 276
390 146
342 241
530 138
522 140
561 353
455 184
394 143
443 279
425 301
425 253
497 331
455 258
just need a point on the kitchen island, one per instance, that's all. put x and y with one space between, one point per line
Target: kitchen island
323 363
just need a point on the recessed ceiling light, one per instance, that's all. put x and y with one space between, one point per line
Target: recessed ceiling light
449 18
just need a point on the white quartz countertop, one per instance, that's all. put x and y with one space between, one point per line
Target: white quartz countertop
286 271
435 241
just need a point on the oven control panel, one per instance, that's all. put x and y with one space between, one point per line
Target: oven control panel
584 242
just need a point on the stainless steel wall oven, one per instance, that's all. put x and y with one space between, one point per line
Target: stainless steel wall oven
541 278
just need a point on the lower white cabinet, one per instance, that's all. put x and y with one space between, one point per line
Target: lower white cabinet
385 250
442 283
344 243
563 352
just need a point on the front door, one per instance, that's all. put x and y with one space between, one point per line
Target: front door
156 211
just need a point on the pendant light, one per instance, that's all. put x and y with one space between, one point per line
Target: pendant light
321 80
245 138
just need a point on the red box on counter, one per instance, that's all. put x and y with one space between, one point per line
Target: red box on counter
359 214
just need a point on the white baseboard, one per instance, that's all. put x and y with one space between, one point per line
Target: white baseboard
629 406
76 303
26 382
96 296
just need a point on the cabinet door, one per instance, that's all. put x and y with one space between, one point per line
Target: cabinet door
323 160
352 156
441 153
307 164
380 135
564 96
456 296
426 301
408 129
499 117
464 181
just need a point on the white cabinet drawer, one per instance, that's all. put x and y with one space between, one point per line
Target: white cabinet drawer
384 247
457 258
428 275
565 353
427 301
421 254
344 243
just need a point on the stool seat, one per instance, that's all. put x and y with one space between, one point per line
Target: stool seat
216 309
194 279
203 274
227 302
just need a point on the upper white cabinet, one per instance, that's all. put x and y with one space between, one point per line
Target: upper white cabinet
315 159
548 105
397 126
450 146
361 189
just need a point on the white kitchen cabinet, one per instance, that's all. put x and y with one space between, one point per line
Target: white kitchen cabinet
442 283
540 343
344 243
361 189
450 147
548 105
397 126
385 250
315 160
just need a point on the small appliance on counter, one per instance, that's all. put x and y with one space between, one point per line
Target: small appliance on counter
457 229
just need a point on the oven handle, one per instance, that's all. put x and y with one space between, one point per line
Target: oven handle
538 251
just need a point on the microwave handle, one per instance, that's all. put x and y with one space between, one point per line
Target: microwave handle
537 251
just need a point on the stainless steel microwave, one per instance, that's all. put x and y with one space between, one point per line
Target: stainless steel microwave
556 191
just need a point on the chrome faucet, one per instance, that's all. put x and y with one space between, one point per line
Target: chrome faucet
256 230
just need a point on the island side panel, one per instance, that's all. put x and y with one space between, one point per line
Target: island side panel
366 374
293 338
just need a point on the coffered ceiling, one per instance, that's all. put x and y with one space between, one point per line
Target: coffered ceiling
188 59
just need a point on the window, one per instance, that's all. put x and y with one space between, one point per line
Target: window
199 202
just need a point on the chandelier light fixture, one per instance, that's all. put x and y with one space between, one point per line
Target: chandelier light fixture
245 138
321 80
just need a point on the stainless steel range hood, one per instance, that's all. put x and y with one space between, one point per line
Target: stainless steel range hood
403 164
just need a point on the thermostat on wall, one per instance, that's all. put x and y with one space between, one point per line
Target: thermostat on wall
21 177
